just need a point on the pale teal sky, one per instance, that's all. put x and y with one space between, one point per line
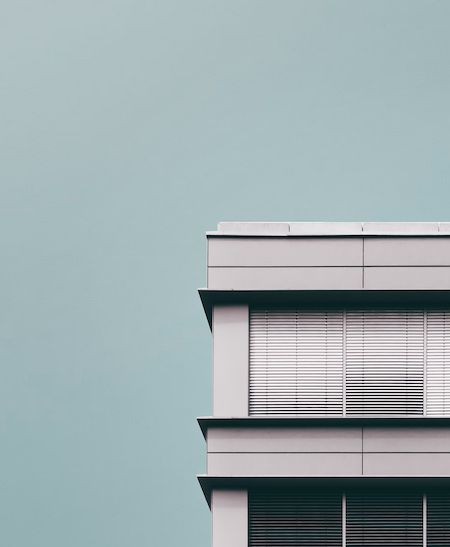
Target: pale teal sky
129 128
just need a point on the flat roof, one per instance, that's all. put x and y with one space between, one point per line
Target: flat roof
331 229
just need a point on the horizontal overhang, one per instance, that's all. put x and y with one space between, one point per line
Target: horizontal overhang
209 483
324 298
340 421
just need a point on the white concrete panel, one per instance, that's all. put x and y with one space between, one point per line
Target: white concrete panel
407 439
400 228
403 251
253 228
285 252
230 360
398 278
284 465
273 439
244 279
229 511
325 228
407 465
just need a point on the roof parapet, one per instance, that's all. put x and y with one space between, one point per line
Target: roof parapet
332 229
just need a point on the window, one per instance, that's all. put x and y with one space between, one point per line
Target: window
357 518
350 362
292 519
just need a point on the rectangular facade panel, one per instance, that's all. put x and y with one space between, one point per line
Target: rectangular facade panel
301 278
407 464
406 439
229 509
230 361
407 251
259 252
407 278
284 439
285 465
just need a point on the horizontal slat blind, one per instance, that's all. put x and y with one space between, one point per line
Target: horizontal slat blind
438 519
384 362
373 518
438 363
298 359
295 519
296 362
380 520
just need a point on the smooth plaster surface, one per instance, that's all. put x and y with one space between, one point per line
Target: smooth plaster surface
230 360
229 510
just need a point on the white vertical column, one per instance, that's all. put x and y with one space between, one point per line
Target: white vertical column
230 361
229 510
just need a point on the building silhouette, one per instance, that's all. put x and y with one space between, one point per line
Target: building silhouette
331 384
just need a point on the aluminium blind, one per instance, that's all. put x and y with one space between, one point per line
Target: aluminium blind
384 520
438 519
438 363
384 362
295 519
296 362
351 362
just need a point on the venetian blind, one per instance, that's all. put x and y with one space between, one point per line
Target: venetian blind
383 520
438 363
295 519
296 360
350 362
438 519
384 362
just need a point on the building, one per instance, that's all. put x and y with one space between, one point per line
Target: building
331 384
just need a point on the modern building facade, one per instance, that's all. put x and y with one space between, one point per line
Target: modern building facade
331 384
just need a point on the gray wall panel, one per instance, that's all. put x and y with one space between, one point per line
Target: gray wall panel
407 465
404 278
345 278
407 439
230 360
229 511
299 439
284 252
404 251
277 464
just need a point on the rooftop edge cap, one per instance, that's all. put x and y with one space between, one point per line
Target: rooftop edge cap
325 228
400 227
253 228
